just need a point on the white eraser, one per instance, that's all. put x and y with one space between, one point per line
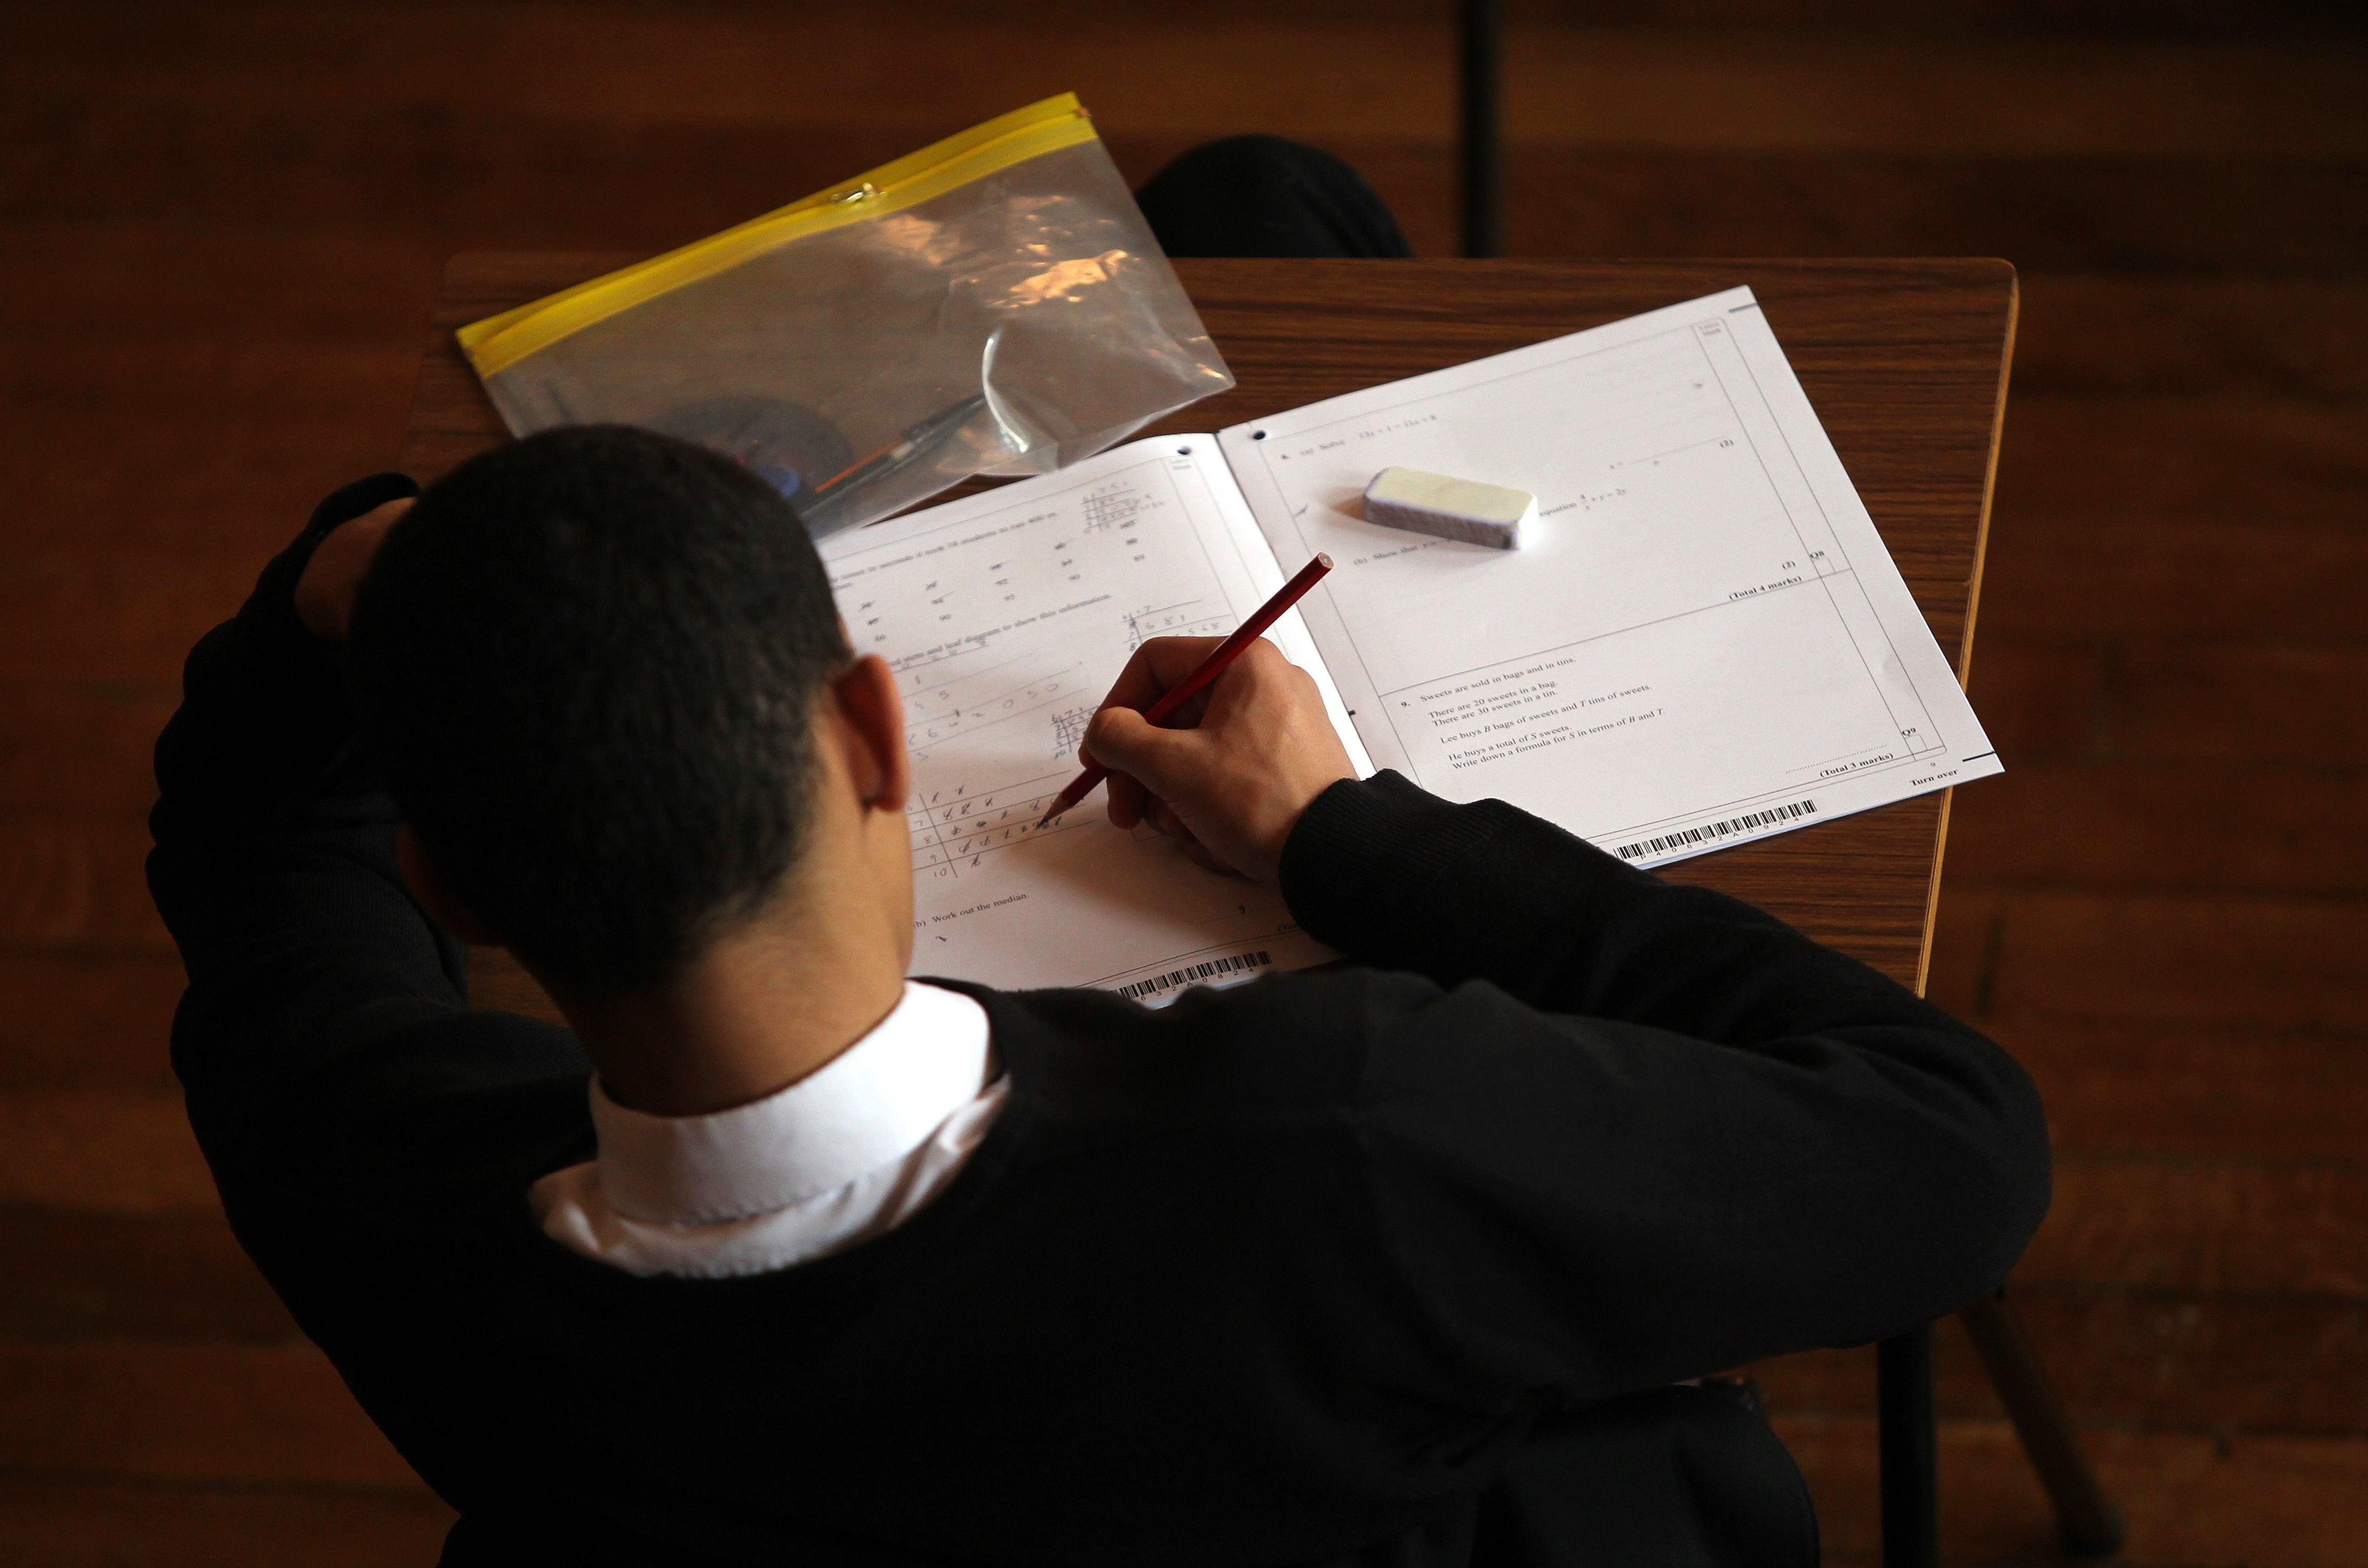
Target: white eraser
1453 509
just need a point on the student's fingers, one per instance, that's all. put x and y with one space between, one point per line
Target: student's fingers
1127 799
1163 816
1174 827
1127 744
324 594
1154 770
1238 783
1155 666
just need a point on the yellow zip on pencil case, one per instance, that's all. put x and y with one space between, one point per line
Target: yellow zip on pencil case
994 303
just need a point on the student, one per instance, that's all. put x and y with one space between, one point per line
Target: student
780 1257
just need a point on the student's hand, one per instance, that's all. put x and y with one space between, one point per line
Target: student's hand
1240 764
324 594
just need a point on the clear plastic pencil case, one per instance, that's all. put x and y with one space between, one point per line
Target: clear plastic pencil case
994 304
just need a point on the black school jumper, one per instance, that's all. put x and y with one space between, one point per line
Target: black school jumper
1391 1264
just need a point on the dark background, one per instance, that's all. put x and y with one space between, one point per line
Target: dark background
220 231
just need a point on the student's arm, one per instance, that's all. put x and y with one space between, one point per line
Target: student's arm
1255 783
272 834
324 1006
1625 1131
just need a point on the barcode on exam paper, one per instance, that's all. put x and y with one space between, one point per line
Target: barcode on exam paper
1191 972
1686 838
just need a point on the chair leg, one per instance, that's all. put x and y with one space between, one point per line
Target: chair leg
2090 1523
1480 45
1908 1444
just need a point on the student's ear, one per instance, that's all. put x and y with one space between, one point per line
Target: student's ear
429 887
867 700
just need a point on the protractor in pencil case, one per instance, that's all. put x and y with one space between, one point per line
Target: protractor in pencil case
787 445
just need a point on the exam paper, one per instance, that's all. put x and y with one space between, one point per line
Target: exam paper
1703 640
1006 617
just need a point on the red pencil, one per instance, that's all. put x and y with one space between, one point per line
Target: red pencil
1210 669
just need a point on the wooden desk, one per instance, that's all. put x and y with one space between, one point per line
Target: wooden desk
1904 361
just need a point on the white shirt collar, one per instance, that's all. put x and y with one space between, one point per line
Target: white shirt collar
871 1106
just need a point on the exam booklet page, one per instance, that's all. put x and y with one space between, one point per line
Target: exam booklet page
1700 641
1007 616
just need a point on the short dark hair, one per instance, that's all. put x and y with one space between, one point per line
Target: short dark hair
588 665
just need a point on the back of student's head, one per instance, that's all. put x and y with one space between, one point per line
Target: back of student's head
588 665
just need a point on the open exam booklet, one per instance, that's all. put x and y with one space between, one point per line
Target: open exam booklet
1702 641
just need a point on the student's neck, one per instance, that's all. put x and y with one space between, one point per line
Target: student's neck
766 1004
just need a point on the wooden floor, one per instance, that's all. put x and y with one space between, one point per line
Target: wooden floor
221 228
